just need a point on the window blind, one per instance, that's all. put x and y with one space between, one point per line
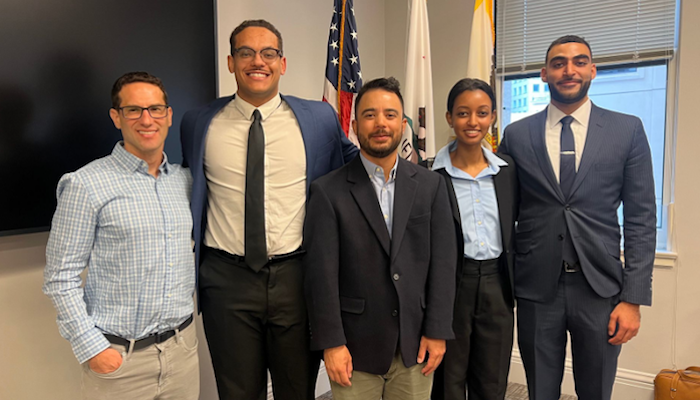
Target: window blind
619 31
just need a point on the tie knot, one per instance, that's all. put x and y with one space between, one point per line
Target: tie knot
256 115
566 121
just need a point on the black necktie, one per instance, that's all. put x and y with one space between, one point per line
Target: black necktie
255 242
567 164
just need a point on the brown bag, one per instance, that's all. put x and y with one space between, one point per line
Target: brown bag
677 385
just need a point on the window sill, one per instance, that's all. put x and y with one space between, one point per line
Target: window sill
663 259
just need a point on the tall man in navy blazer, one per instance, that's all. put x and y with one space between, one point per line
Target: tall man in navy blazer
253 307
576 163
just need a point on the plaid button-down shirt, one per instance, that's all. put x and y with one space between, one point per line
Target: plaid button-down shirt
133 232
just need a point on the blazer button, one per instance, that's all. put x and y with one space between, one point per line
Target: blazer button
561 237
396 277
567 208
394 313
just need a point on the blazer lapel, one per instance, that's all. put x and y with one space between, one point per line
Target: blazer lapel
452 195
594 139
306 125
537 135
405 190
504 198
365 197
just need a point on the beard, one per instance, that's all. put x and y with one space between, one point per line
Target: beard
569 98
378 151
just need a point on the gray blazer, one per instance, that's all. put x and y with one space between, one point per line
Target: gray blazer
615 167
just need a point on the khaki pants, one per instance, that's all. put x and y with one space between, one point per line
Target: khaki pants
399 383
164 371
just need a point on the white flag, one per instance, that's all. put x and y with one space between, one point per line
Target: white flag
418 141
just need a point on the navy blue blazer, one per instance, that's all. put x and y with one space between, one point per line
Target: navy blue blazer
325 144
615 167
369 291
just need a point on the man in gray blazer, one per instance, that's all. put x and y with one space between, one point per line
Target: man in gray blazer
576 163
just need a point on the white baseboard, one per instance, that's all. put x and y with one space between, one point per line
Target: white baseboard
323 385
629 384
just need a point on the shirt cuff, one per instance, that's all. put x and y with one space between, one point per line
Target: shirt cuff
89 344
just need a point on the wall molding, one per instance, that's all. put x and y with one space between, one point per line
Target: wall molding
628 383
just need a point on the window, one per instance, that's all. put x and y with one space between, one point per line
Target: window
633 46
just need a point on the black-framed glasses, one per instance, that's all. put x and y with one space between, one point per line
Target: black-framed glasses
269 55
135 112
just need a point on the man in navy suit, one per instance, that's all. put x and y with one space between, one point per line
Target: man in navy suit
252 157
576 163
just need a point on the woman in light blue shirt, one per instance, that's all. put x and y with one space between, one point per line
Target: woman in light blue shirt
482 188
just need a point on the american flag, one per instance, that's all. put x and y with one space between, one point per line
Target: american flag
343 74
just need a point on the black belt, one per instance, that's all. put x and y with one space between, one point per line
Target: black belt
571 267
273 260
149 340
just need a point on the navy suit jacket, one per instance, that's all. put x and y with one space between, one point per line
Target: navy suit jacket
325 144
366 290
615 167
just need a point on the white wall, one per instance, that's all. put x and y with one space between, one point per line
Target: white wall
36 363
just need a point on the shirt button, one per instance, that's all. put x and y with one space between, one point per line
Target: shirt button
377 170
170 295
170 236
396 277
386 216
384 189
479 222
170 265
395 313
481 244
478 201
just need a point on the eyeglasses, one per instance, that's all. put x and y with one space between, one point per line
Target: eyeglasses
269 55
135 112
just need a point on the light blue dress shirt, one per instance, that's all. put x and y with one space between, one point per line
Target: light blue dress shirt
133 233
478 206
383 189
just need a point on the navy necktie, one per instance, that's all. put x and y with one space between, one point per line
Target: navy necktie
255 241
567 163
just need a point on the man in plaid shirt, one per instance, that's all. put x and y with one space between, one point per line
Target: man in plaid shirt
126 218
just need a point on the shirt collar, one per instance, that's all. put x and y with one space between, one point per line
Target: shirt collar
132 163
581 115
443 160
265 109
373 169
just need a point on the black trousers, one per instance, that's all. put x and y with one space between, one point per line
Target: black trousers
479 357
255 322
542 338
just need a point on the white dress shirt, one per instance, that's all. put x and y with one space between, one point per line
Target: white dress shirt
285 177
579 126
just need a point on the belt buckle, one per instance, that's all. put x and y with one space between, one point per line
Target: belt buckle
569 268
